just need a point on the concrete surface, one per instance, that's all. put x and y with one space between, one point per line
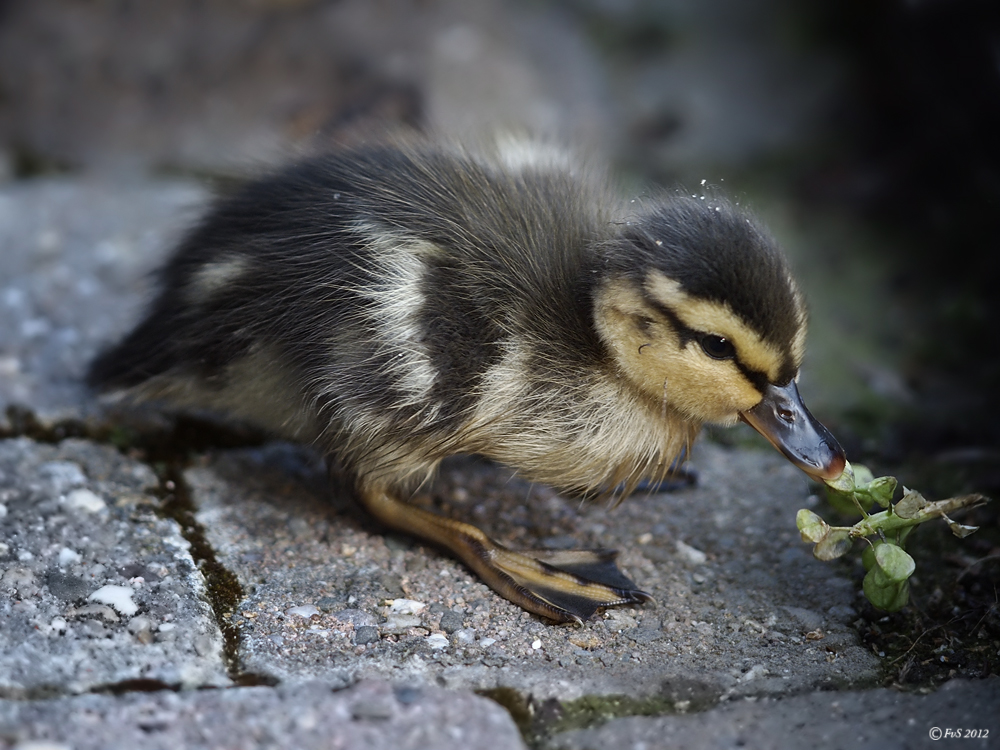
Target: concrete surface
307 715
77 259
97 589
742 607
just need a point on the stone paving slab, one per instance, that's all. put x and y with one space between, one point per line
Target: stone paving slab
75 264
742 607
962 714
95 588
371 715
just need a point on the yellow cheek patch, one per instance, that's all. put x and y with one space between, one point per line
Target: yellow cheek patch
703 389
708 389
717 318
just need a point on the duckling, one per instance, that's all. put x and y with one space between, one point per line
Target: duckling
398 304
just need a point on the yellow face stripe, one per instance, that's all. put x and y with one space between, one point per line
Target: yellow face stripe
717 318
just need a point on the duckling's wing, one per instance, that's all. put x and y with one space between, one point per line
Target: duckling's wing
565 586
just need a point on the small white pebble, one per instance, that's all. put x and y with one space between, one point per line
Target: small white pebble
690 554
405 606
138 624
487 642
645 538
68 557
58 625
3 510
305 611
437 641
166 627
757 670
536 644
465 636
85 500
118 597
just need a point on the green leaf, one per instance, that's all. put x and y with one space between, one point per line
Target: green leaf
894 562
868 557
862 475
845 482
881 490
890 598
835 544
811 526
843 503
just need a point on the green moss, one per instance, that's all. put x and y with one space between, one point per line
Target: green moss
539 721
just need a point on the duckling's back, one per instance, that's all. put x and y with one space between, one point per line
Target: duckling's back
360 299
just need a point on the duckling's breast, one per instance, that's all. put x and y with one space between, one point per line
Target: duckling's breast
579 429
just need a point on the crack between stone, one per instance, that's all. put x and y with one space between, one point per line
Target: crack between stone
167 452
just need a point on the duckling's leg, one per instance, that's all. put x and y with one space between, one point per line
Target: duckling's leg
565 586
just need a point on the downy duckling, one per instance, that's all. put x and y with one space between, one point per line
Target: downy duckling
395 305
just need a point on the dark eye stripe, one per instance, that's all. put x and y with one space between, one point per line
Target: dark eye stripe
757 378
686 334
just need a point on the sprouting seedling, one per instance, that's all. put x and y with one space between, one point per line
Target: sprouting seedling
888 564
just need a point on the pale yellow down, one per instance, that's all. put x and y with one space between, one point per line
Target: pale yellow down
652 356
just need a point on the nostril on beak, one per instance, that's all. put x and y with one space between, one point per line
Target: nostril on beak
787 415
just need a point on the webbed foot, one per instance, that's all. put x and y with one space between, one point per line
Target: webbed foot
561 585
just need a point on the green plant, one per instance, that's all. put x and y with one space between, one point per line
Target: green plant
888 564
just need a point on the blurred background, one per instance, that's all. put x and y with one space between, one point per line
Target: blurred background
865 132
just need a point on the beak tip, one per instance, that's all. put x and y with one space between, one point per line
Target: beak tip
834 467
830 462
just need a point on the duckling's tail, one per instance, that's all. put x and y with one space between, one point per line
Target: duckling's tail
143 354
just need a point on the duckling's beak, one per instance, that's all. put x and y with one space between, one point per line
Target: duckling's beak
785 421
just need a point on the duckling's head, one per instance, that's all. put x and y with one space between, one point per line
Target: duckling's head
701 314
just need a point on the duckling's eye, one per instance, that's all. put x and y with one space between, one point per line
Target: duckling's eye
717 347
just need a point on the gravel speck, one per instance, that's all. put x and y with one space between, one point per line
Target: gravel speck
304 611
452 621
465 637
85 500
690 554
119 597
365 634
66 587
357 617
